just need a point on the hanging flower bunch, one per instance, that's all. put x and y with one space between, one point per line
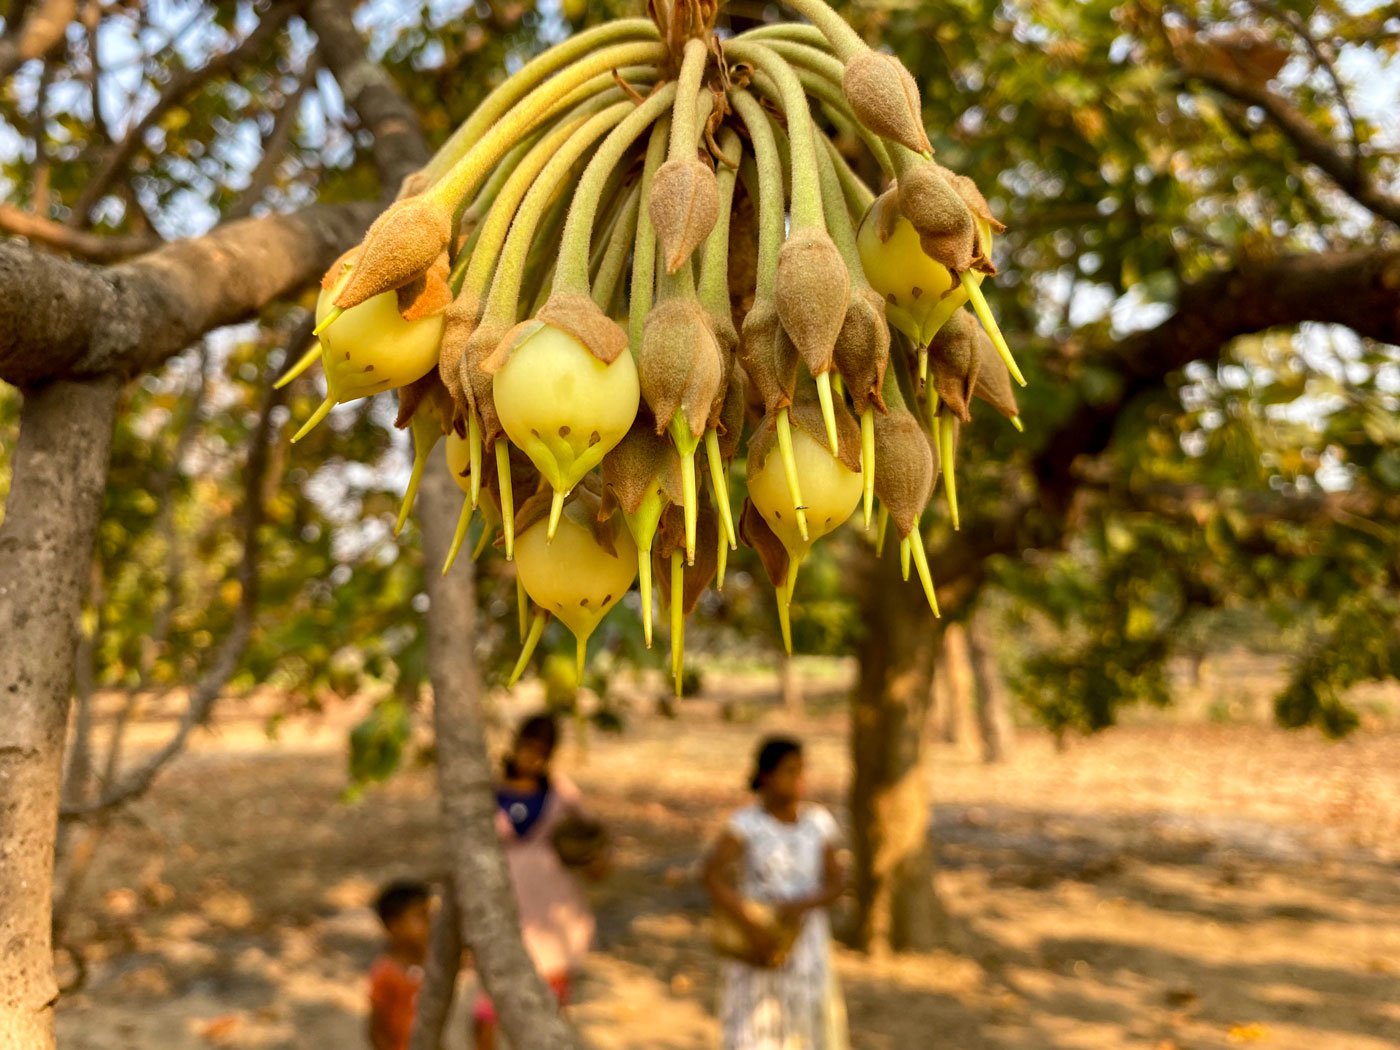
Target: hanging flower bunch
643 258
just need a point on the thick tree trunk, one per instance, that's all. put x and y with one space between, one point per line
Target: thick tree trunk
955 685
896 906
994 723
490 923
59 473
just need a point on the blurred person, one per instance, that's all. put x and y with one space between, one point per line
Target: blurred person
549 840
772 874
404 908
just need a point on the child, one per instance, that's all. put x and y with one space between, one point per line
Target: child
403 908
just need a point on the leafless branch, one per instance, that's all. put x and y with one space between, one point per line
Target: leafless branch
93 247
60 318
36 33
210 686
180 87
274 147
1313 146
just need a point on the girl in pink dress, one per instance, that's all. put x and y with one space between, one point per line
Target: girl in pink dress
556 924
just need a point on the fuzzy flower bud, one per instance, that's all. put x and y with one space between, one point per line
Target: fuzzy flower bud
768 356
946 227
684 208
863 348
885 98
954 363
811 291
904 470
680 366
993 379
401 245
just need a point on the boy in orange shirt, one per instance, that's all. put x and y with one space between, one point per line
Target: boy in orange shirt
397 974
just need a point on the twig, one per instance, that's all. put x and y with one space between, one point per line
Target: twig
93 247
35 33
274 146
180 87
206 692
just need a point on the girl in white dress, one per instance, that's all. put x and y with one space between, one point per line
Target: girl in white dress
779 852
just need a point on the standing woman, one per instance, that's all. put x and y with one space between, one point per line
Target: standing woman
532 807
772 874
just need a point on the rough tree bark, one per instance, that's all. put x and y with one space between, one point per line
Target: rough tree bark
994 724
485 899
59 473
896 906
956 686
439 977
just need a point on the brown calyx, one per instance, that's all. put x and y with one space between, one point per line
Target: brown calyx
885 98
684 208
641 463
904 468
953 363
459 322
863 348
679 365
811 291
768 355
401 245
942 218
755 532
993 383
585 320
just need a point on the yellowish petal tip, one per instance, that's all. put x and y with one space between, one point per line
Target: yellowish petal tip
556 508
303 363
1016 422
331 317
828 411
322 410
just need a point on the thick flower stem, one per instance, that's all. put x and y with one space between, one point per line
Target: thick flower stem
806 182
644 247
620 242
858 195
497 104
820 75
457 183
504 302
714 260
571 275
844 40
770 190
684 116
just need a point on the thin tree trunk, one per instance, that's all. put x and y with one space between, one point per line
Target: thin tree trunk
956 666
994 723
490 922
896 905
440 976
59 473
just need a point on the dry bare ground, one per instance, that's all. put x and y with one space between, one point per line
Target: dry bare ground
1158 887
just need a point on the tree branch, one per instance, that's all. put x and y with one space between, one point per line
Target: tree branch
1359 290
93 247
64 319
399 146
180 87
211 684
1313 147
36 35
274 147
